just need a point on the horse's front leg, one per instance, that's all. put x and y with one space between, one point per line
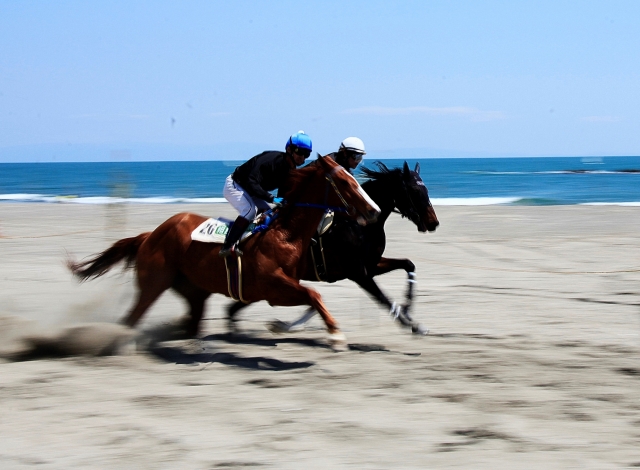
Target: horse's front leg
398 313
368 284
232 310
402 313
391 264
365 282
288 292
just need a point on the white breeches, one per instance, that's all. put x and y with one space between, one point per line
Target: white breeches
241 201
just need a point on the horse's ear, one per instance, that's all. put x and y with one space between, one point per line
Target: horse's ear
326 161
405 168
417 170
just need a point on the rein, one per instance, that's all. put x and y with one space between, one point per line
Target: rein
349 209
320 206
272 214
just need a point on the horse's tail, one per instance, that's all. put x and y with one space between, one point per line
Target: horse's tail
126 249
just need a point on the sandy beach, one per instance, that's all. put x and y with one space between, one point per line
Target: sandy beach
532 360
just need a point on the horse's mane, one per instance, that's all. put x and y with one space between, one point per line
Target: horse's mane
296 181
382 172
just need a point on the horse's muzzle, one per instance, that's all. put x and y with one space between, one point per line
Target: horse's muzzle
430 227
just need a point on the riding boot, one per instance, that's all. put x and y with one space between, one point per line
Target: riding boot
235 232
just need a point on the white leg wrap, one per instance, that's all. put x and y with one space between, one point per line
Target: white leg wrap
395 311
337 337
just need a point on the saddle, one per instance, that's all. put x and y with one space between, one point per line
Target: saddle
337 230
215 231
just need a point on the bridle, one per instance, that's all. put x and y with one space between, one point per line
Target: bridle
272 214
412 212
348 208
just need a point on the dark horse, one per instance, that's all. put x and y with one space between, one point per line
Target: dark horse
273 260
355 253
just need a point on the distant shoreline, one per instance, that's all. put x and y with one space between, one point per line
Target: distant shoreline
370 157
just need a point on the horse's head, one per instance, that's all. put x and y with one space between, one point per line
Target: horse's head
345 191
324 183
413 200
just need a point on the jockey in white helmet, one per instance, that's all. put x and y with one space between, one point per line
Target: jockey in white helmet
350 153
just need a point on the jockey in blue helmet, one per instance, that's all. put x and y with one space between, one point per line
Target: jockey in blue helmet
247 188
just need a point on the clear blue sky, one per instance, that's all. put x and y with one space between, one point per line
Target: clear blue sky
446 77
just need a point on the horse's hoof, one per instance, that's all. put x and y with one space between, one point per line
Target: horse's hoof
338 342
400 315
418 329
339 346
404 309
403 322
278 327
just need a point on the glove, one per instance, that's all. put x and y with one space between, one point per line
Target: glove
278 201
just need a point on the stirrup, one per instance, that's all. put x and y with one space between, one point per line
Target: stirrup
224 252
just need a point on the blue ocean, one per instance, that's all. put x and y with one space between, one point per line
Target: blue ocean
451 181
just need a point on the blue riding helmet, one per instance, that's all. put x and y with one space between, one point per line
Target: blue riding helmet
300 140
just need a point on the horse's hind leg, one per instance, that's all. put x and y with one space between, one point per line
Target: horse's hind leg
278 326
386 265
151 284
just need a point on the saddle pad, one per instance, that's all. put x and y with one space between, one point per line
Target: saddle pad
215 231
211 231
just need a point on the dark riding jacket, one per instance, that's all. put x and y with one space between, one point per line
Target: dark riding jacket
336 156
263 173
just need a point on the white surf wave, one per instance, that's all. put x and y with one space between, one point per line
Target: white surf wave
71 199
473 201
629 204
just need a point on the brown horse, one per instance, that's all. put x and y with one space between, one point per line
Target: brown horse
273 260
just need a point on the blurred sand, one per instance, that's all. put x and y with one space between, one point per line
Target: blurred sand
532 360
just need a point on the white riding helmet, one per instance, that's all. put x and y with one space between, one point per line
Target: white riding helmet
353 144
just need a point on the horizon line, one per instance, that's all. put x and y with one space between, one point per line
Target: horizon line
169 160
